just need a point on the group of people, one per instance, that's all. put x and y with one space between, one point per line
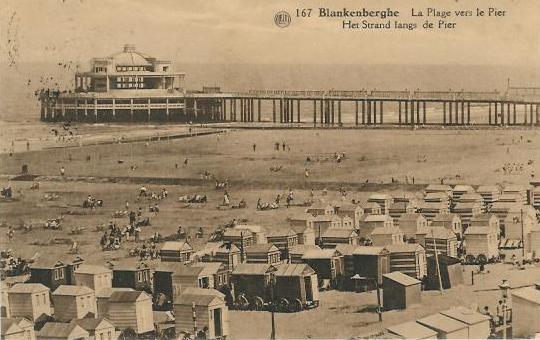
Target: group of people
513 168
112 237
277 145
145 193
12 265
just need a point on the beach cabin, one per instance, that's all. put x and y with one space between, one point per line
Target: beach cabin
478 326
283 239
489 193
94 277
411 223
449 221
481 241
382 236
258 232
63 331
383 200
99 329
526 311
323 222
408 258
399 208
296 252
460 190
226 253
29 300
297 284
184 276
301 220
442 239
486 219
74 302
305 235
432 188
214 275
49 271
371 263
353 211
328 264
320 208
102 299
412 330
334 236
347 251
400 291
520 192
371 208
471 197
16 329
208 308
451 272
518 227
347 222
535 194
437 197
239 237
430 209
5 311
511 198
176 251
446 328
131 309
263 253
369 222
467 210
131 275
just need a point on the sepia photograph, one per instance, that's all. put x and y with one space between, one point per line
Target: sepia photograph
249 169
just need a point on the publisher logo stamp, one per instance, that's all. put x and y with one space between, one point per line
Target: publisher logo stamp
282 19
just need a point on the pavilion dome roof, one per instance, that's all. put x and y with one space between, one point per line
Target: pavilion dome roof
130 57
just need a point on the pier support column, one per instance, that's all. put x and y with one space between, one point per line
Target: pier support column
456 112
406 112
369 112
489 114
462 113
502 114
468 113
424 113
258 110
450 113
531 115
417 113
381 109
298 111
363 112
374 116
149 111
281 110
321 114
514 114
333 112
273 110
525 113
496 113
399 113
314 113
413 112
537 114
339 113
444 113
356 113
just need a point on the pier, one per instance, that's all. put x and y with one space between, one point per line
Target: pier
318 108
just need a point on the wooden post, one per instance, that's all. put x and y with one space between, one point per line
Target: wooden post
462 113
514 113
298 111
374 108
339 112
418 113
399 112
489 114
424 112
525 120
406 112
332 110
456 112
259 110
468 113
273 110
495 113
412 112
281 110
363 112
502 114
369 112
444 113
381 109
314 113
356 112
450 104
321 112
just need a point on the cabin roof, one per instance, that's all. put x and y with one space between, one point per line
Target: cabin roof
404 247
442 322
487 189
326 218
107 292
70 290
465 315
92 269
90 324
183 270
484 217
346 249
471 196
199 297
9 326
463 188
369 250
375 218
209 268
301 249
128 296
339 233
514 188
301 217
233 232
467 205
349 207
436 195
58 330
253 269
413 330
293 269
438 187
401 278
281 233
437 233
448 217
386 231
27 288
531 294
399 205
176 246
261 248
251 227
321 254
128 265
477 230
370 205
379 197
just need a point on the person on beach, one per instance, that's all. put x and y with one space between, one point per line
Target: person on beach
62 171
254 147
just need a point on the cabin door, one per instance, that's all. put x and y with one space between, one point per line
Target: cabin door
312 288
217 322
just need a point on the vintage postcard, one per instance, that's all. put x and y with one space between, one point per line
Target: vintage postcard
251 169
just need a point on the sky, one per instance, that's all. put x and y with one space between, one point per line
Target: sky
243 31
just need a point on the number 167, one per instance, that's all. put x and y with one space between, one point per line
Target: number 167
304 12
